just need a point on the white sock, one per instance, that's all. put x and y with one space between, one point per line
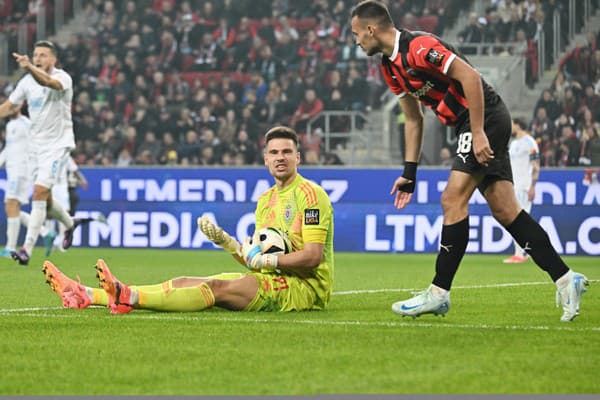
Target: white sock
61 234
58 212
519 250
438 291
47 227
13 225
36 220
24 218
564 280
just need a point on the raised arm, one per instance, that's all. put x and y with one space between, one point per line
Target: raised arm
41 76
7 108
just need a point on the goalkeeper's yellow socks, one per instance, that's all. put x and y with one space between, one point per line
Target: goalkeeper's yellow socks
194 298
100 298
166 286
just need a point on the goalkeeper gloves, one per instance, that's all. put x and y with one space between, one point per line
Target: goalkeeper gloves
218 236
255 259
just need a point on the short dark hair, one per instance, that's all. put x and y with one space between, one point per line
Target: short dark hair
375 10
281 132
521 123
47 44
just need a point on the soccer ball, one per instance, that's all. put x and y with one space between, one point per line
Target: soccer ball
272 241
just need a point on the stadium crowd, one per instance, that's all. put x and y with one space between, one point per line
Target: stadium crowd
197 82
566 121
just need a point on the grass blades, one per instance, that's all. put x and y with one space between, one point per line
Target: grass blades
502 334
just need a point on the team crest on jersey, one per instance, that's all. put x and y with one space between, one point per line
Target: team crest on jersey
434 57
311 216
287 215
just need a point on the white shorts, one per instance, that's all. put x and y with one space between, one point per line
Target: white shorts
18 188
49 166
523 199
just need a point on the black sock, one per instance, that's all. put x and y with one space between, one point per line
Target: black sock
452 249
535 241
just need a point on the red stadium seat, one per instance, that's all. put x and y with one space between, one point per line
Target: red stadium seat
305 24
186 63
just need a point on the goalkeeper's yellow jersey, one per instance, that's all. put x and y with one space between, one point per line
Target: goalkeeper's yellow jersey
304 212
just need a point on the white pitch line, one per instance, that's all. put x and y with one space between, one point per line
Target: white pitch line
494 285
382 324
39 312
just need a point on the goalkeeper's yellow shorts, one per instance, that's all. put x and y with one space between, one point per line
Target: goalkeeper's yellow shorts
278 292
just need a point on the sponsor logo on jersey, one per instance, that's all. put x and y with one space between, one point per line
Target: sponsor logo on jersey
423 91
311 216
434 57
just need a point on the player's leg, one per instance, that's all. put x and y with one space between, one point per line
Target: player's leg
17 193
231 291
520 255
455 231
73 200
60 196
532 237
47 167
72 293
180 294
58 202
36 220
453 244
234 294
75 295
13 225
51 171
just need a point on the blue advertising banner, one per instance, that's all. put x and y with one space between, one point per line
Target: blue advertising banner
158 207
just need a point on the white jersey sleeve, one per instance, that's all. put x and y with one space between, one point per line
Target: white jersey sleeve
19 95
49 109
65 79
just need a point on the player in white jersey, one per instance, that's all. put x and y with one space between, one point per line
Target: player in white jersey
48 91
18 180
15 157
525 164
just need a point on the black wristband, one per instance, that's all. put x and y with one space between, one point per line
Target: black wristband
410 170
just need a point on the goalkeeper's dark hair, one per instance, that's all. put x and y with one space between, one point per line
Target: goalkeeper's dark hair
47 44
375 11
281 132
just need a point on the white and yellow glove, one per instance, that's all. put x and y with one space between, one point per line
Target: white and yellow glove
255 259
218 236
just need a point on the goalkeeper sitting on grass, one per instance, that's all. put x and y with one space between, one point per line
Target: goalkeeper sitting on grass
300 280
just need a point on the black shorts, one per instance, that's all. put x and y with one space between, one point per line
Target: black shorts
497 126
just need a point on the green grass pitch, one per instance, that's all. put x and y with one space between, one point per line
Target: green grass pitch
502 334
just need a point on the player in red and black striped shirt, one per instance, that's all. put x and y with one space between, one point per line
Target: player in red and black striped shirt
420 67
